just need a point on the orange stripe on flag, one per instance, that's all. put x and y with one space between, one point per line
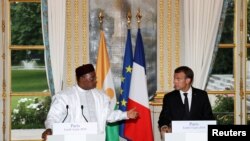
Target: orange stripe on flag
102 63
105 82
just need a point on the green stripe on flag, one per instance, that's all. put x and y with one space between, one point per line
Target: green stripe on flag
112 131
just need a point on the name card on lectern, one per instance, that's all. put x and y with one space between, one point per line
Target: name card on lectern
74 128
192 126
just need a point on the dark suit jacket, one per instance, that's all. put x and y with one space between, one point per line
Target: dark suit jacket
173 107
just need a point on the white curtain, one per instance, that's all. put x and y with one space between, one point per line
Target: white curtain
201 22
56 24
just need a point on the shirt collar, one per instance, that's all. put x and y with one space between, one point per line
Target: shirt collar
189 91
81 90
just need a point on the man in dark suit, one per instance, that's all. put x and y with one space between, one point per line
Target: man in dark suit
185 102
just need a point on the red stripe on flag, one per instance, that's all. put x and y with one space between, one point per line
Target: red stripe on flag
139 129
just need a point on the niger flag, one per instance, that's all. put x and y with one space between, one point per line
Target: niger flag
105 82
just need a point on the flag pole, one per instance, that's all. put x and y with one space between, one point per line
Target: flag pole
101 17
129 16
138 17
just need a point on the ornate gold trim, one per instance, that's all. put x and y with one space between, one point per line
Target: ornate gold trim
25 1
227 45
85 31
177 32
3 26
169 42
161 45
68 41
30 94
30 47
3 67
76 33
158 98
221 92
154 104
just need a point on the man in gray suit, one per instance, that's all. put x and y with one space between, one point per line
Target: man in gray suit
185 102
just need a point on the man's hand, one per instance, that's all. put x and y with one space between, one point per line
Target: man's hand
45 133
166 129
132 113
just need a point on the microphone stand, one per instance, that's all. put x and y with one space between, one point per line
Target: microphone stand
67 108
83 114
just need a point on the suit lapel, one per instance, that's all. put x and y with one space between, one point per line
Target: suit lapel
193 102
179 104
178 96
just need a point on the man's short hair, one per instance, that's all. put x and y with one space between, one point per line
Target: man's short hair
187 71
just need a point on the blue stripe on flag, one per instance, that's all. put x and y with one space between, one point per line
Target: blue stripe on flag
125 79
139 57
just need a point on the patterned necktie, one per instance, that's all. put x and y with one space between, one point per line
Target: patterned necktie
186 106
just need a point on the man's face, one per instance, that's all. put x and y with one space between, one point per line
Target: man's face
181 82
88 80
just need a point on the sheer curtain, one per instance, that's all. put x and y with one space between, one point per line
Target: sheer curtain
54 12
201 22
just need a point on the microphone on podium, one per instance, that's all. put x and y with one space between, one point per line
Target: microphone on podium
67 108
83 114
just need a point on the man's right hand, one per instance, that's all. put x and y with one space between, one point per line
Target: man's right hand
45 133
166 129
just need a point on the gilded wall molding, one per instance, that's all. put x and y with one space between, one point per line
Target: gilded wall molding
169 42
2 75
77 44
168 45
160 53
177 32
76 34
68 43
85 30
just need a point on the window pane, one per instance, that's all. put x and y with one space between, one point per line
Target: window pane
222 77
26 24
228 29
223 108
28 71
27 116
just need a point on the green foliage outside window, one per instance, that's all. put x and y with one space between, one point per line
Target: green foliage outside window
26 27
30 113
224 109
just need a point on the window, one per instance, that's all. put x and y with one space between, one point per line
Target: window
29 97
227 81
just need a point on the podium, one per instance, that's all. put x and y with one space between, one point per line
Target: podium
189 130
87 137
75 132
185 137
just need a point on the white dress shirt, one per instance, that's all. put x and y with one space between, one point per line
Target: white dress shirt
189 96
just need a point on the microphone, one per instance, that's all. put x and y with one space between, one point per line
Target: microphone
67 108
83 114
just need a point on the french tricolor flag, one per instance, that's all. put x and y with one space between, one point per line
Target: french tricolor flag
141 128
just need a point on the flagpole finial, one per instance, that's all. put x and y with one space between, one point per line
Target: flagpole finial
129 16
138 17
101 19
